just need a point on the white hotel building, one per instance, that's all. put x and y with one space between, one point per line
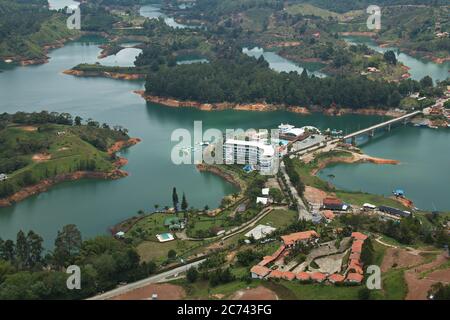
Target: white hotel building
257 153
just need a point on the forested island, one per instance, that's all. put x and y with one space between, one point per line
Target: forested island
41 149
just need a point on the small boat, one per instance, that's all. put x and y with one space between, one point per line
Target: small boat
433 127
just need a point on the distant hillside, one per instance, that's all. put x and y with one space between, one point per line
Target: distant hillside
27 27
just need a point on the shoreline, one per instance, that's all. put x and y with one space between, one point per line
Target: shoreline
203 167
355 158
362 158
383 44
46 184
263 107
24 61
105 74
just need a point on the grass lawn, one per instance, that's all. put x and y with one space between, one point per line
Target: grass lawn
279 218
293 290
359 198
148 227
157 251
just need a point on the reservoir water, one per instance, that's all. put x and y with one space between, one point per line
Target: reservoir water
419 68
280 64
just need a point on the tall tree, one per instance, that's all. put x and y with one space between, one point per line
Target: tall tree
184 204
175 198
22 250
67 245
35 248
7 250
390 57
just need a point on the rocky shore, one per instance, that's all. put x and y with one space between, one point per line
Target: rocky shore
44 185
105 74
354 158
262 106
215 170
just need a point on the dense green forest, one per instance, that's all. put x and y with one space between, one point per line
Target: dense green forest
25 27
28 272
235 77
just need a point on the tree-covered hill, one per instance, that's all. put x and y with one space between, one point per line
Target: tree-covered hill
26 27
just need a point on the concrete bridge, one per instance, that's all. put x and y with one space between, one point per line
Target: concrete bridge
371 130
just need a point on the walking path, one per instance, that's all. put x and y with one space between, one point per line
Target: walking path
303 212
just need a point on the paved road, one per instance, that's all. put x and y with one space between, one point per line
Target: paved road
162 277
303 212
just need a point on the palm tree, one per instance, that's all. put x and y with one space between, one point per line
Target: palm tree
156 207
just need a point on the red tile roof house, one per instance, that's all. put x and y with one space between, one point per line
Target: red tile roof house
357 246
359 236
318 277
354 278
292 239
277 274
268 259
287 275
303 276
259 272
336 278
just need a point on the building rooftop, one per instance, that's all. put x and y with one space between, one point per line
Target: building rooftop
336 277
260 231
303 276
318 276
299 236
260 270
359 236
354 277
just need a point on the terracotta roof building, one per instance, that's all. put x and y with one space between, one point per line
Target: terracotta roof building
354 277
318 276
303 276
357 246
359 236
288 275
336 278
293 238
277 274
259 272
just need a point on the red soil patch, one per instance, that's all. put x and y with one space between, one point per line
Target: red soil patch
314 195
164 291
119 145
41 157
28 128
258 293
399 258
418 287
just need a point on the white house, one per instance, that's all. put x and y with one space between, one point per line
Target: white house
3 177
262 200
